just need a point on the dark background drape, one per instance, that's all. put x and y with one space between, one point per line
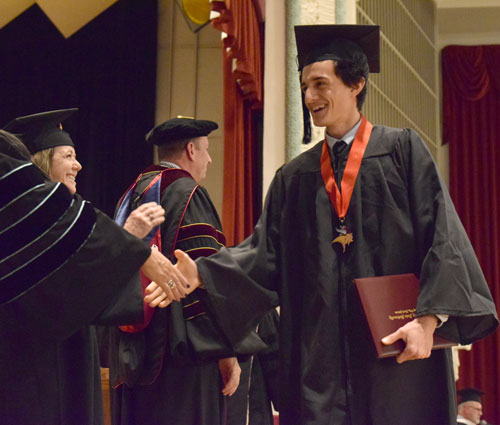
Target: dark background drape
107 69
471 126
243 85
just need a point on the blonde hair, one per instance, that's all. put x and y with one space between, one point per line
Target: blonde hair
43 159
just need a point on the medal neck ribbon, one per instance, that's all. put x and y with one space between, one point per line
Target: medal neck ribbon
341 201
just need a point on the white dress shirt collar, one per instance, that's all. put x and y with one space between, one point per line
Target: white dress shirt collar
169 164
348 137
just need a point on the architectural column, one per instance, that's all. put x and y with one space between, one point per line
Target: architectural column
274 91
293 97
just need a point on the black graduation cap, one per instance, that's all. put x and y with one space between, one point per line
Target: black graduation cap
469 394
321 42
317 43
43 130
180 128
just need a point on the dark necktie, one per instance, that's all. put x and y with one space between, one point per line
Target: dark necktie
340 153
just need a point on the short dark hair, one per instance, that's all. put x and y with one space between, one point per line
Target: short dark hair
173 150
351 71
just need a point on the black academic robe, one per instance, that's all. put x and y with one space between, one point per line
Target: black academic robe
403 221
63 265
167 381
251 403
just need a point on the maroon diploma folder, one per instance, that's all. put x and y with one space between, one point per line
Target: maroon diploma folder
390 302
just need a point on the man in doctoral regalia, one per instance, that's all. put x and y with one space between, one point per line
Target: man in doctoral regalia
185 367
376 193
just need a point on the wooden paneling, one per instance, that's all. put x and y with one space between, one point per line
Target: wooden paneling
406 92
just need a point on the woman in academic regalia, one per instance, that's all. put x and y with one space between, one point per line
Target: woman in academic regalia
78 372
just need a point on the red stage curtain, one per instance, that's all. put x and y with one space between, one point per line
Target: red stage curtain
242 68
471 125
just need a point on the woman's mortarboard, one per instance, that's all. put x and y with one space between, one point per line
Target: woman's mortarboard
43 130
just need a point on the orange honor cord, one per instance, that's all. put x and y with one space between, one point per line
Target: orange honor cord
341 201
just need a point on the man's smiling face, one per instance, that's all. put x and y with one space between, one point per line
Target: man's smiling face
330 102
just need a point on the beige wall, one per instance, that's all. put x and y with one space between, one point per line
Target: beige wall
405 92
189 82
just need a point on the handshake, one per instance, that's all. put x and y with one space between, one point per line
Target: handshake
169 282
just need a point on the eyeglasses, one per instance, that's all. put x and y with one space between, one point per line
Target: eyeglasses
479 409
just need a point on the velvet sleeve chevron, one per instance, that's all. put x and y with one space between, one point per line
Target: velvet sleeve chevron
199 233
42 226
200 239
62 262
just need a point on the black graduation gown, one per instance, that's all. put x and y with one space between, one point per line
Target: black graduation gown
403 221
169 384
251 403
63 265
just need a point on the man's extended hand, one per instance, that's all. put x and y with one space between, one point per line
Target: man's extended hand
159 269
418 337
185 266
188 268
230 371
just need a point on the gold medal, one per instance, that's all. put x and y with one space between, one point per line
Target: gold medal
345 237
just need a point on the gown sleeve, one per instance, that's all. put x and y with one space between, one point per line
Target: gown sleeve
242 282
451 279
192 323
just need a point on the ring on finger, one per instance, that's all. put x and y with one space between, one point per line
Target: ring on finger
171 284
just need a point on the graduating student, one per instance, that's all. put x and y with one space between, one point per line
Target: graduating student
63 265
366 201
